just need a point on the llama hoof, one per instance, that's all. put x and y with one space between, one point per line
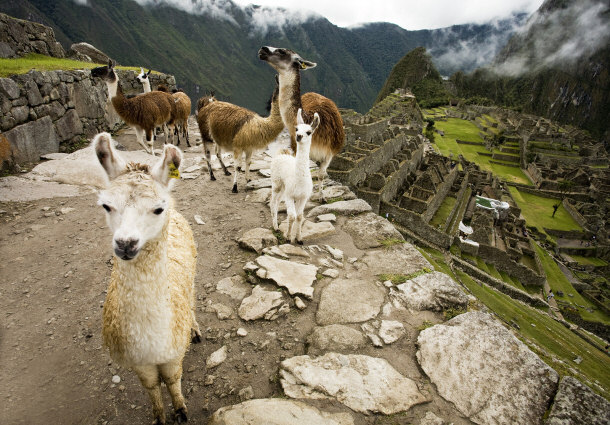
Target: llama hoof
196 338
212 178
299 242
248 181
159 421
234 190
180 416
227 173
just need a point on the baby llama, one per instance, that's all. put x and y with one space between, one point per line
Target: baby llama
330 137
291 178
148 315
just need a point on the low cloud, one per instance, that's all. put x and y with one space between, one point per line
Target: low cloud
221 9
265 18
559 38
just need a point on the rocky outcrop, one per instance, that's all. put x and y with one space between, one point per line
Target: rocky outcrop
369 230
89 53
399 259
434 291
575 403
285 412
482 368
364 384
19 37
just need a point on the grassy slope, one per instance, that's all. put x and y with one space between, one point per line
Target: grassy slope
440 217
537 211
558 282
455 128
558 345
592 261
38 62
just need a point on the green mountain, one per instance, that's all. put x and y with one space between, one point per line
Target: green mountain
214 45
415 71
558 67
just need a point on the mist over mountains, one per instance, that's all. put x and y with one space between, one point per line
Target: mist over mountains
212 44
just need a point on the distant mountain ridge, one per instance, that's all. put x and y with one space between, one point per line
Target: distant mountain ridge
208 51
557 67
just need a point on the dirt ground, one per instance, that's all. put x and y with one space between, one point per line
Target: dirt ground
55 268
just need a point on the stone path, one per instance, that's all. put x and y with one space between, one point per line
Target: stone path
319 327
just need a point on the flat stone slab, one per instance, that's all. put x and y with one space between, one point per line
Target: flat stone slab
576 403
369 229
234 286
276 411
334 192
292 250
485 371
264 302
295 277
257 239
391 331
336 338
260 195
355 206
310 230
399 259
327 217
364 384
349 301
258 184
18 189
434 291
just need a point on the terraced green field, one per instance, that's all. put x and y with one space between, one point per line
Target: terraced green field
537 211
455 128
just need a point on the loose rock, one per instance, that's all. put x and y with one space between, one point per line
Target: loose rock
217 357
400 259
310 230
363 303
434 291
355 206
369 229
391 331
295 277
257 239
260 302
336 338
576 403
234 286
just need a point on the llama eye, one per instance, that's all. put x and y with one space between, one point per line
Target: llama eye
309 133
158 211
106 207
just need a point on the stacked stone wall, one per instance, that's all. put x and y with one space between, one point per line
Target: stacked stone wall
19 37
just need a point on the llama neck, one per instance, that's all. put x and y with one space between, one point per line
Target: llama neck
113 88
146 85
290 96
302 156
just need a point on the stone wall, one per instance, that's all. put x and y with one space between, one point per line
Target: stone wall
19 37
52 111
415 223
504 263
574 213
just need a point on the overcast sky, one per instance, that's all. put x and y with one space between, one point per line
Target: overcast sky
409 14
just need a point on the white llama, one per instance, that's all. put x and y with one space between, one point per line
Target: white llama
148 316
291 178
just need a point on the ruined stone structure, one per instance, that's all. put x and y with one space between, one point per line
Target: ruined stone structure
19 37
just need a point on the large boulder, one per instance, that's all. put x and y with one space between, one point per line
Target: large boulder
575 403
32 139
434 291
276 411
364 384
257 239
349 301
81 50
485 371
368 230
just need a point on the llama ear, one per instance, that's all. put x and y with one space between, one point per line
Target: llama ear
304 64
149 71
110 64
141 70
316 122
168 166
108 157
300 117
277 79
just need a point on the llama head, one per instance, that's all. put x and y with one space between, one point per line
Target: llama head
142 77
205 100
305 131
283 60
106 72
137 196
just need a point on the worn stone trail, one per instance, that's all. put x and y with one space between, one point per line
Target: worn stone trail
292 335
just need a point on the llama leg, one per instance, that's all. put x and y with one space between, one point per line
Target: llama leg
276 192
186 132
222 164
207 145
300 206
149 377
290 210
322 174
236 158
150 142
248 162
171 372
195 331
140 138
